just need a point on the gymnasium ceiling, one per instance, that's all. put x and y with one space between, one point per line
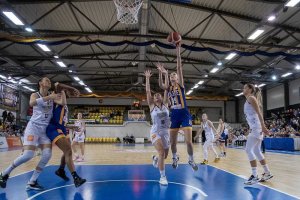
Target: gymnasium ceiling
219 24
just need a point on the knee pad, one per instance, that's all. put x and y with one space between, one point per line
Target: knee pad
46 155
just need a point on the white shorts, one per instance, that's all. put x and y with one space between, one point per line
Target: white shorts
35 134
79 138
164 136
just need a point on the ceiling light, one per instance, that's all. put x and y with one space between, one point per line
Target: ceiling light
292 3
257 33
274 77
70 71
61 64
76 78
286 74
297 67
200 82
24 80
196 86
205 75
28 29
189 92
12 81
261 85
28 88
88 89
43 47
13 18
219 63
271 18
214 70
56 57
230 56
81 83
240 94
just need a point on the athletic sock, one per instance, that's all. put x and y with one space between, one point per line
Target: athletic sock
162 173
254 171
34 176
191 158
266 168
174 155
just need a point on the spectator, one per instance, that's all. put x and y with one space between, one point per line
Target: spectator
4 116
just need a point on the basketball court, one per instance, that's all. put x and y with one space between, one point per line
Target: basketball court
103 48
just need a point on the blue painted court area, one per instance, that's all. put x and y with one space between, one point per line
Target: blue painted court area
128 182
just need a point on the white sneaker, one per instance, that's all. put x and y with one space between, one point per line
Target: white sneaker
154 161
163 180
265 177
252 180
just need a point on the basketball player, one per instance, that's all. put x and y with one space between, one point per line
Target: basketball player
159 133
79 138
180 116
222 137
210 132
56 131
253 112
35 134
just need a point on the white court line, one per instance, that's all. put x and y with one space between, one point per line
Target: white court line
257 183
105 181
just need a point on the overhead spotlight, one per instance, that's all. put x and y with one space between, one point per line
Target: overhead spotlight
205 75
274 77
271 18
28 29
219 63
88 89
56 56
297 67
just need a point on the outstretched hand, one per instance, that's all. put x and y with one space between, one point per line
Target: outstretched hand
147 73
161 68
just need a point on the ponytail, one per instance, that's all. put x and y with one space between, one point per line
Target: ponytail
257 93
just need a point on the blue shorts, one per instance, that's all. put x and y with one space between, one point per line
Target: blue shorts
180 118
55 132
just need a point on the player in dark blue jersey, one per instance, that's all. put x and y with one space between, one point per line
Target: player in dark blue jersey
56 131
180 116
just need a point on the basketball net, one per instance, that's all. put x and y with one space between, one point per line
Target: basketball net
128 10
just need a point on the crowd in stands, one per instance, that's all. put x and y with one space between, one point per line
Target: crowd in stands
285 124
101 115
8 126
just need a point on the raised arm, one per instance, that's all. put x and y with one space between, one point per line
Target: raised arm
62 100
148 90
162 71
36 100
179 66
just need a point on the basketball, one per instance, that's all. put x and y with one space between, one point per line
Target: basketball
174 38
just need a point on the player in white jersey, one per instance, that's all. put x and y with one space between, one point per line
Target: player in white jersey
210 132
159 133
79 138
253 113
35 134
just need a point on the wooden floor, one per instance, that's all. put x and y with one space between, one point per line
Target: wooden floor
286 168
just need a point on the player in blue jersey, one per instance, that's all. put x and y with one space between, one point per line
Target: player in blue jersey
56 131
180 116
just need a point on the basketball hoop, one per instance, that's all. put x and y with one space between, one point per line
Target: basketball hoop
128 10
